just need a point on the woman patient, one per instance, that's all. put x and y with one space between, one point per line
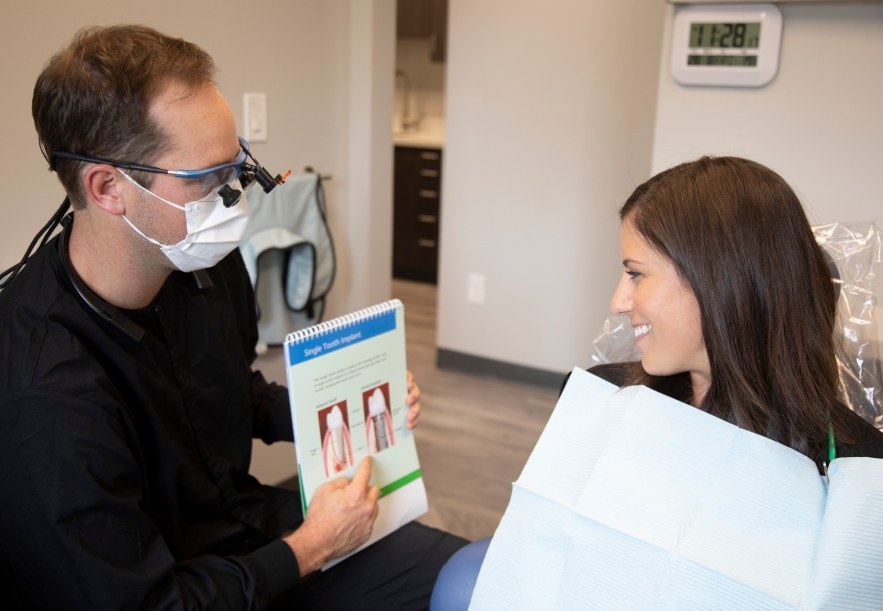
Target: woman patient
733 306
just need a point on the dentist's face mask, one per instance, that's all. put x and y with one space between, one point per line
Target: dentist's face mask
213 230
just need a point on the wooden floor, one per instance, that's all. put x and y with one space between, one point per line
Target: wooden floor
475 433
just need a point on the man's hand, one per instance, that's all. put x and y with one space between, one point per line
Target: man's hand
413 402
339 519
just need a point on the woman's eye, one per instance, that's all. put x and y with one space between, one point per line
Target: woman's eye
632 274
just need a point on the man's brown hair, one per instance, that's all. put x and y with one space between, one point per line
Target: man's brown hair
93 97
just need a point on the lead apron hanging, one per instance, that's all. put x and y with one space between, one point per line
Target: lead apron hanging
289 254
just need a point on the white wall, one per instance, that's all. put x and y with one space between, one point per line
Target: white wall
819 123
367 238
550 110
328 75
553 119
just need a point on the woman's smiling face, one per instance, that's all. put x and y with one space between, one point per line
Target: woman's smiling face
663 312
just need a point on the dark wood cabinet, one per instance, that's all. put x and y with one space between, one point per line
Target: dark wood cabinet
424 19
417 209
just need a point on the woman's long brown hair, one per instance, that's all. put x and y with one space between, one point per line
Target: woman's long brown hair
738 236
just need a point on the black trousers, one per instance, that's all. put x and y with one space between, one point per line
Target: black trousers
396 572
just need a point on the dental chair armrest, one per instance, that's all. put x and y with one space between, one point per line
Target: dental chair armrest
456 581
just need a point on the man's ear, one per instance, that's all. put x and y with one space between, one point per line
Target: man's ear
103 185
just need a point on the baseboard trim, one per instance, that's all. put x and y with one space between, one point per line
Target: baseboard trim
469 363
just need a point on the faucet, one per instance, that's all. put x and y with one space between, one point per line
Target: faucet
408 122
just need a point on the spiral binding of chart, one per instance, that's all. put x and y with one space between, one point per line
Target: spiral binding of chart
341 322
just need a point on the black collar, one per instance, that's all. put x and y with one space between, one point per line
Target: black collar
108 314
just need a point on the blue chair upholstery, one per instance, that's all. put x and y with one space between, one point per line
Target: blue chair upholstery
456 581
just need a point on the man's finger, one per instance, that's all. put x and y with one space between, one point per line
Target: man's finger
339 482
363 473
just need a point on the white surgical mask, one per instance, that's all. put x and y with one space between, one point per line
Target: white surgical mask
213 230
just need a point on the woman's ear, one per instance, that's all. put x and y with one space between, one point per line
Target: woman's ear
103 186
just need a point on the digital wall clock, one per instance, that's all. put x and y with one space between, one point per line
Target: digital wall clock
726 45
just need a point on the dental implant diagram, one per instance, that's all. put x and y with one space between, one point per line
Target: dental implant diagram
378 421
337 446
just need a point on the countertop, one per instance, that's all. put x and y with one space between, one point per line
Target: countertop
429 134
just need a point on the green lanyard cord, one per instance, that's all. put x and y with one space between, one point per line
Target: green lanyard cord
832 450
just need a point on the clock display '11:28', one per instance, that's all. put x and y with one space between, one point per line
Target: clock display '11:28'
724 35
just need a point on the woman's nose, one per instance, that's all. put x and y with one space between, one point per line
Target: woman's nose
621 302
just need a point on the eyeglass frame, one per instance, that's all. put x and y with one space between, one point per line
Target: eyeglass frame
246 172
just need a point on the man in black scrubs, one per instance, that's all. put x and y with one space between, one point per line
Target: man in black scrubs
128 402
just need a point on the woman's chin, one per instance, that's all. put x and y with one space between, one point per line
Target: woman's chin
653 368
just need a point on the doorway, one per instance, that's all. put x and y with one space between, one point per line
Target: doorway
418 125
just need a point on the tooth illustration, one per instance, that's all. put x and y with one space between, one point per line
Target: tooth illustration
377 412
336 446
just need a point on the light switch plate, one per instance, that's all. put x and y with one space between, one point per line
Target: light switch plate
255 111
